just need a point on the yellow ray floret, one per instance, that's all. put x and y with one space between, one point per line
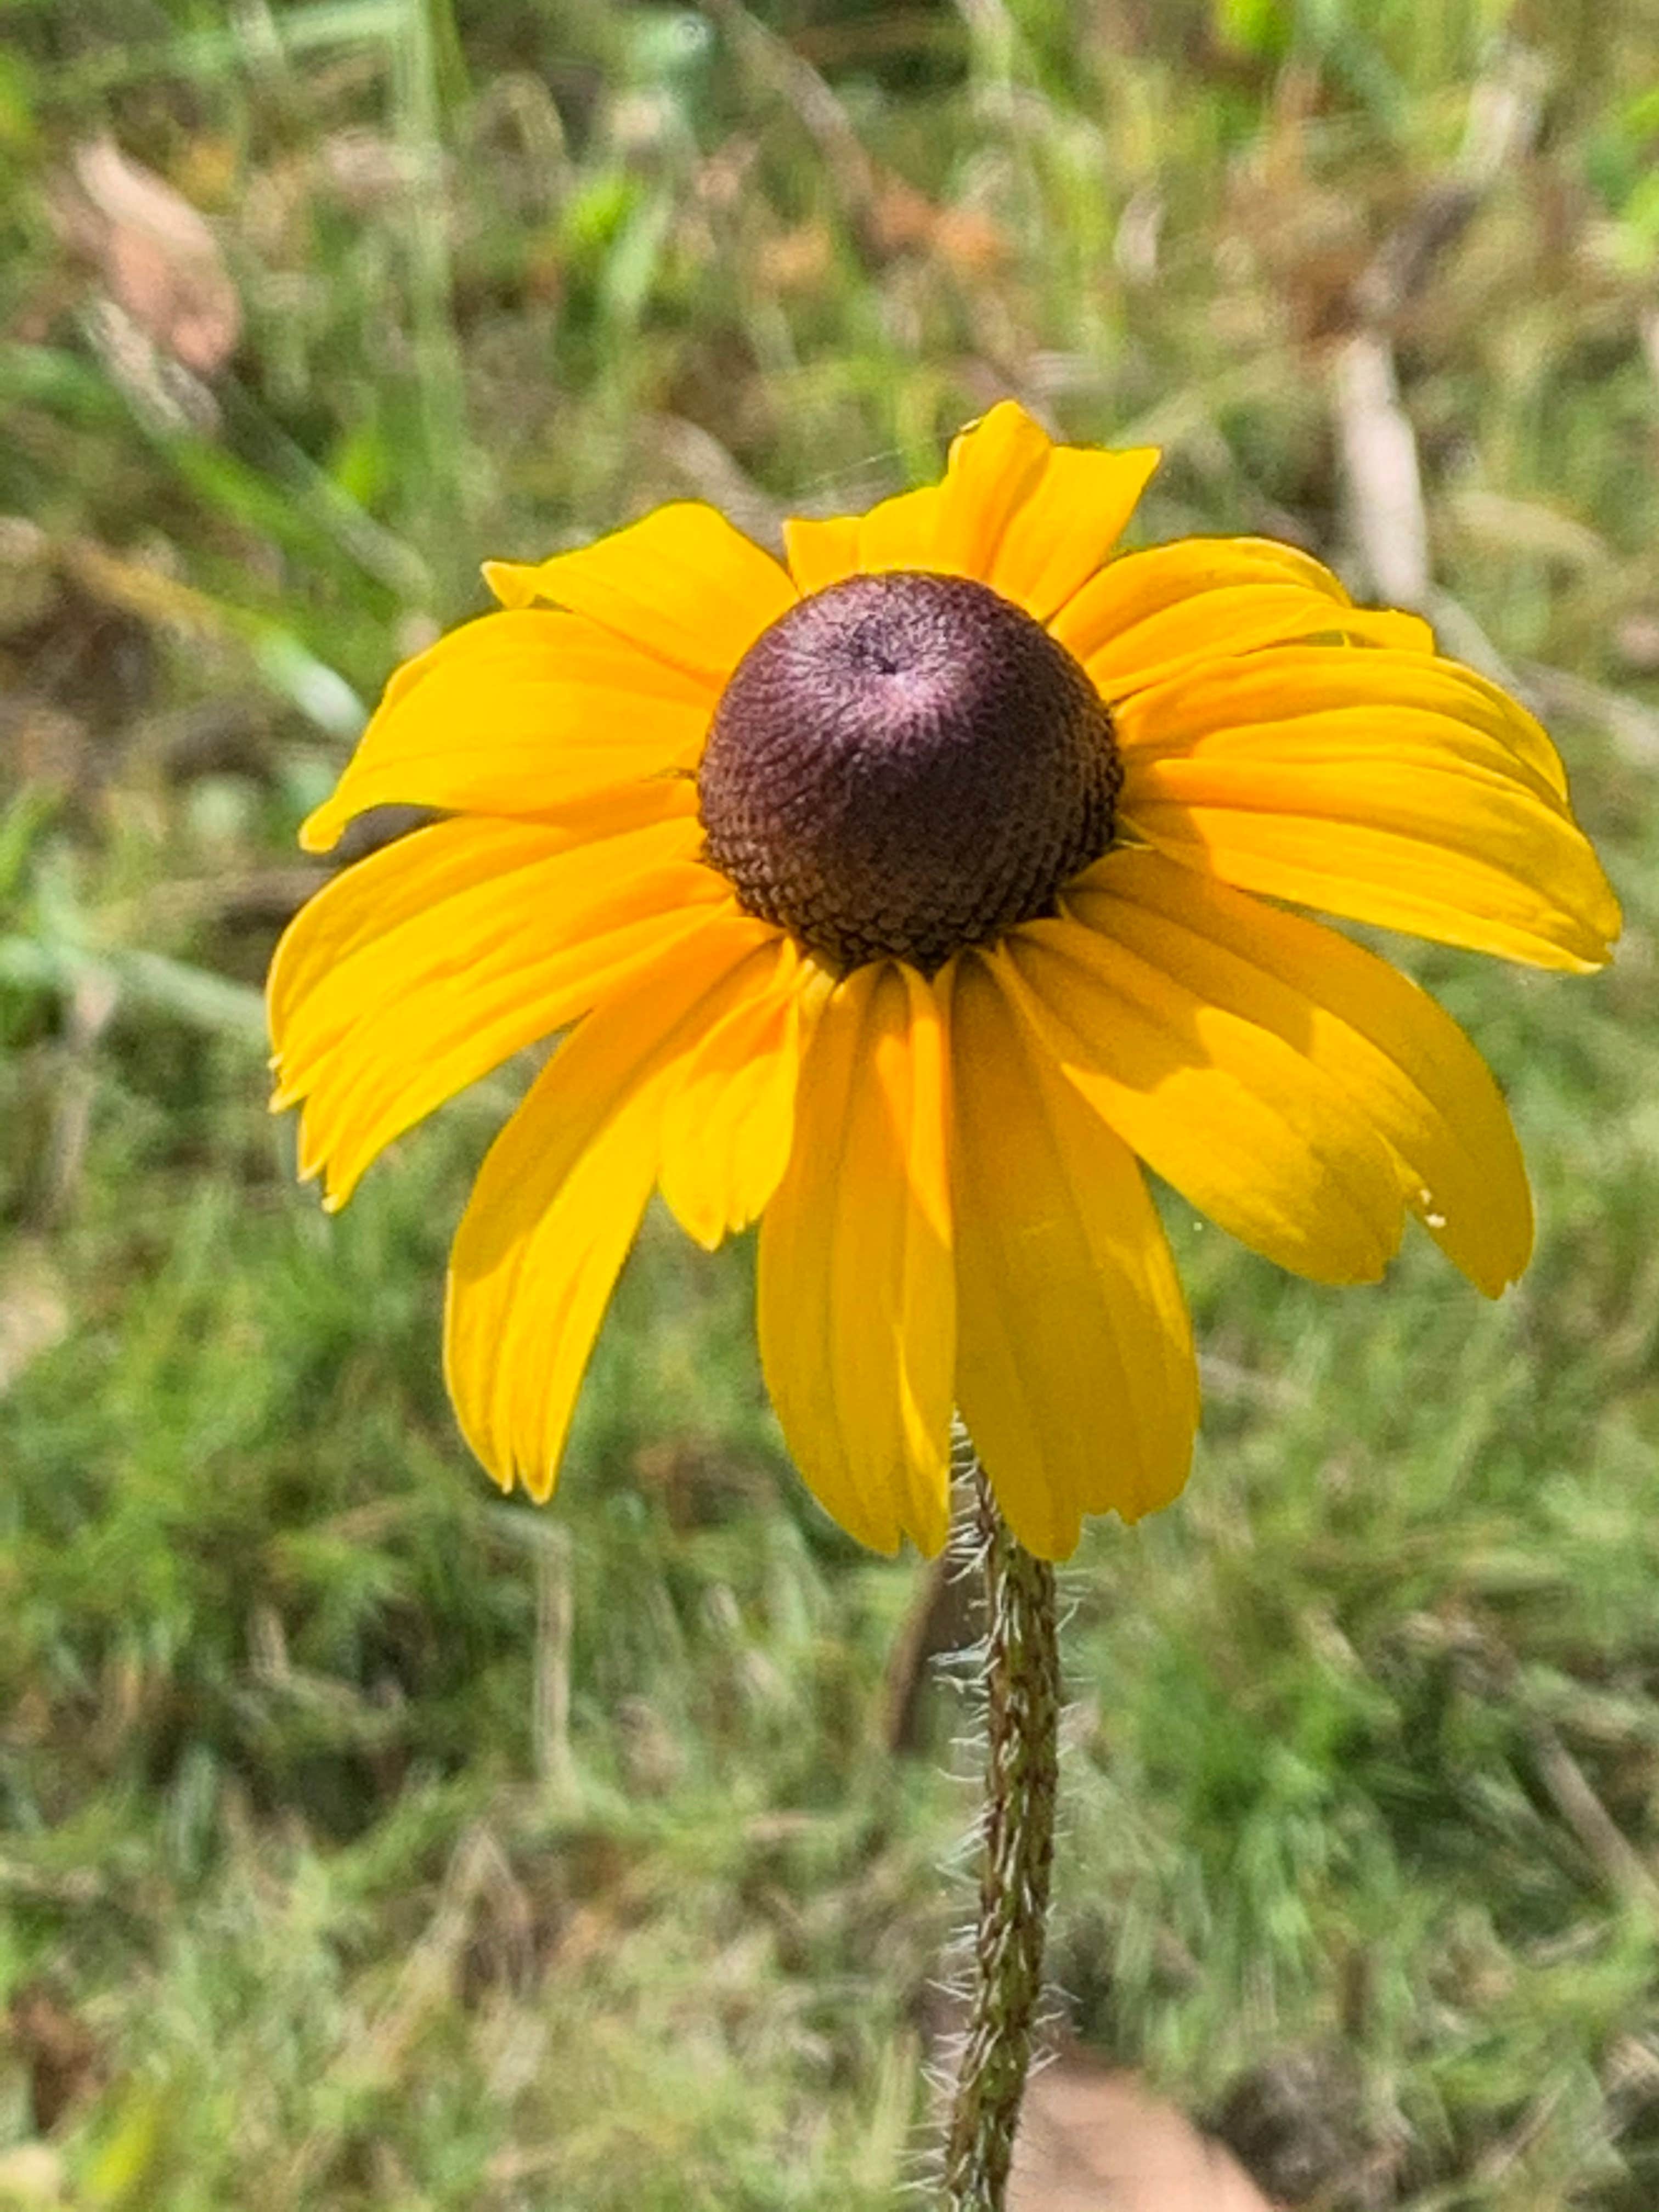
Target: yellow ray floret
560 1195
521 713
1075 1369
683 585
856 1304
1371 785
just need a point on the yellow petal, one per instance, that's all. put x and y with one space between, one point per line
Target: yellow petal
1242 618
1400 1060
1075 1368
1258 1137
994 467
856 1303
1136 587
401 879
1068 524
900 532
682 584
1408 802
1293 681
559 1198
821 551
1031 519
728 1126
895 534
419 969
518 714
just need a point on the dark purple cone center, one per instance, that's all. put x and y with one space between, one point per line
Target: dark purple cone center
905 764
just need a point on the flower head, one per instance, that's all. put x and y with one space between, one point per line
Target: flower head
909 897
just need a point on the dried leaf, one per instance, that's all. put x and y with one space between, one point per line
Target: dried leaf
1091 2139
159 258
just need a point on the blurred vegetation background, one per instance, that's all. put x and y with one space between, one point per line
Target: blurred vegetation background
368 1841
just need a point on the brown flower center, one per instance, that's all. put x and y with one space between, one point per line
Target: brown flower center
905 764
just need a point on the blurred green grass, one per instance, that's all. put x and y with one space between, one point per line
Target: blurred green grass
370 1841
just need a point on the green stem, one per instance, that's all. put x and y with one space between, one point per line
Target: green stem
1022 1768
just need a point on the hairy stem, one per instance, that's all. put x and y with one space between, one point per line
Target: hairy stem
1022 1696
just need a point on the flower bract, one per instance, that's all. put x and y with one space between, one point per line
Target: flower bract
913 896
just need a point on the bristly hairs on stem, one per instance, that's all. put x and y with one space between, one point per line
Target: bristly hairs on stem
1021 1672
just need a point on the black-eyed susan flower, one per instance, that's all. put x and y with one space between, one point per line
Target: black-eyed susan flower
910 897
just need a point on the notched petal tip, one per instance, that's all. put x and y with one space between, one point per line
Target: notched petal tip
539 1483
1493 1286
707 1229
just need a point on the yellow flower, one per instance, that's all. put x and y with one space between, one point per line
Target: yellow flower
908 897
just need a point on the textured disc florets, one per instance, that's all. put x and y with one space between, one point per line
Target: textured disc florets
905 764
